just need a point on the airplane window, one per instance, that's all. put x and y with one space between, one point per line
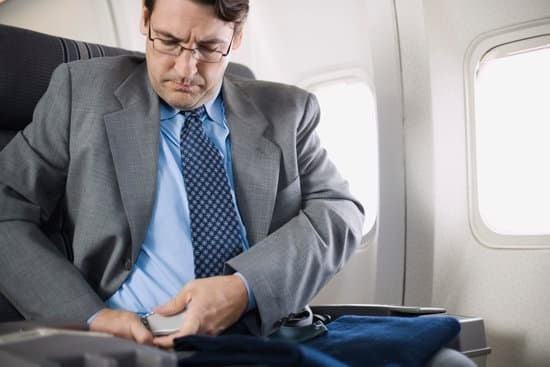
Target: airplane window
511 149
348 131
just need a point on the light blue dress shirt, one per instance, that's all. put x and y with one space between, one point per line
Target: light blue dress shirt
165 263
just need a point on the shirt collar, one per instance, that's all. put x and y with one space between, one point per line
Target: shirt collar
214 109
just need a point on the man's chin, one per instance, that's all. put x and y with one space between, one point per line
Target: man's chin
184 101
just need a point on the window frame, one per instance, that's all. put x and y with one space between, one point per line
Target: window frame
349 75
504 42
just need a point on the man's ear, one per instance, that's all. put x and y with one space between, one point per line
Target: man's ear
238 38
144 22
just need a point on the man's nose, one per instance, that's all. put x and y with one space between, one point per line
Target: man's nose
186 64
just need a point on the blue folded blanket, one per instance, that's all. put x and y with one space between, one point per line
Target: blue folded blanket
350 341
386 341
246 350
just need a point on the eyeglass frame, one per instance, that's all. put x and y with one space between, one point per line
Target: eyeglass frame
194 51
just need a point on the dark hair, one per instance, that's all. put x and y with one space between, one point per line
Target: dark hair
234 11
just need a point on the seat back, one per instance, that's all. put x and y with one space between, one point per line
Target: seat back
27 62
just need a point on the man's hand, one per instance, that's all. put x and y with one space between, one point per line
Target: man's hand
121 323
211 305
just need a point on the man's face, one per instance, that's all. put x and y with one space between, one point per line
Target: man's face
183 81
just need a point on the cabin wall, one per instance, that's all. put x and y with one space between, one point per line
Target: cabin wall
505 286
89 20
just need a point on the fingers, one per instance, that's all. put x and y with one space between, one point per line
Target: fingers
165 342
211 305
191 326
140 333
175 305
123 324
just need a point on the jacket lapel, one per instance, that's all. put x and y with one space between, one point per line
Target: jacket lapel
255 161
134 134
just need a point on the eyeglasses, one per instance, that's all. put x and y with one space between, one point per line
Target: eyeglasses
201 53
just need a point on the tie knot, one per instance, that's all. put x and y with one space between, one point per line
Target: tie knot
199 112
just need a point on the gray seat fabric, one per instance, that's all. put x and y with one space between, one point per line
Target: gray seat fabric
27 62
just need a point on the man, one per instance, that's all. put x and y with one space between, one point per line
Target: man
110 159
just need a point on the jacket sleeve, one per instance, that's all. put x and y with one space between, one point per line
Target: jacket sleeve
290 266
36 276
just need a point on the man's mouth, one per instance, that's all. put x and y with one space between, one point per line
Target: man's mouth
183 86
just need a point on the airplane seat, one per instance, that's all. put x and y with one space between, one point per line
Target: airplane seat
27 62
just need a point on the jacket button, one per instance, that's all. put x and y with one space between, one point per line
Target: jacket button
128 264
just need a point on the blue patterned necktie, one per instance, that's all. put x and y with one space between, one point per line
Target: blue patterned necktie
215 228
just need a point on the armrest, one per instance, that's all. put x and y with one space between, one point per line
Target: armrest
29 343
337 310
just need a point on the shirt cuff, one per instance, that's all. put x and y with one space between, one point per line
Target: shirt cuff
251 298
91 318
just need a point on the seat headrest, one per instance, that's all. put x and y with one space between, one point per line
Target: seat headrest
28 60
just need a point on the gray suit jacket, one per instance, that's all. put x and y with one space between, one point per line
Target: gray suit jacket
78 184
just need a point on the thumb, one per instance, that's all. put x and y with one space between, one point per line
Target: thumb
173 306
